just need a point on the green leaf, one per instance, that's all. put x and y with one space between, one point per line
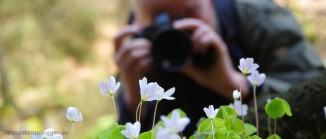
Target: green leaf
205 126
232 135
148 134
254 137
275 108
238 125
225 112
274 137
116 132
106 133
216 136
250 129
286 107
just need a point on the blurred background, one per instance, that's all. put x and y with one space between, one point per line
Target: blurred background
53 53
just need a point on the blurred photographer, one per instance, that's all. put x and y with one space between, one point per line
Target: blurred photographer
200 59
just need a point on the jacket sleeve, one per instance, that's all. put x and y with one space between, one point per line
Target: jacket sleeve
273 37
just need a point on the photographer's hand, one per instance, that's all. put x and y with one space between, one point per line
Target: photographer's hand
133 59
222 77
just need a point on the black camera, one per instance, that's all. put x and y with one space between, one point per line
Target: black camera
172 49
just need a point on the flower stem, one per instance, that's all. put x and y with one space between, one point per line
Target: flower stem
154 114
275 128
234 113
213 128
256 111
242 117
72 130
115 109
269 126
141 104
137 111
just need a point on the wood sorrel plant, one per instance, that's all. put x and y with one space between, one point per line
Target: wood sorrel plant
110 87
73 115
277 108
246 66
220 123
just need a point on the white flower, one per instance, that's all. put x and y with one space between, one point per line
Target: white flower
110 87
256 79
325 111
164 133
132 130
175 123
247 65
48 134
73 115
150 91
211 112
236 94
167 95
238 108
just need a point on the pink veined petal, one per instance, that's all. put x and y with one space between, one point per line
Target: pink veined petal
72 111
253 67
137 128
169 98
215 112
143 83
69 117
111 83
104 89
183 122
169 93
116 87
79 117
250 60
125 133
165 119
206 112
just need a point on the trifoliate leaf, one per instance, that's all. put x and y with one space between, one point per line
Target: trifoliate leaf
148 134
275 108
106 133
254 137
232 135
250 129
205 126
116 132
274 137
234 124
287 107
225 112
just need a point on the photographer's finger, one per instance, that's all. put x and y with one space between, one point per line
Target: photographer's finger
187 24
144 64
127 31
196 37
134 59
130 46
205 41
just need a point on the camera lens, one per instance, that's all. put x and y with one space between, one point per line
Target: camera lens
172 49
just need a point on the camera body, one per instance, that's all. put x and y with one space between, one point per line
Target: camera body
172 49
